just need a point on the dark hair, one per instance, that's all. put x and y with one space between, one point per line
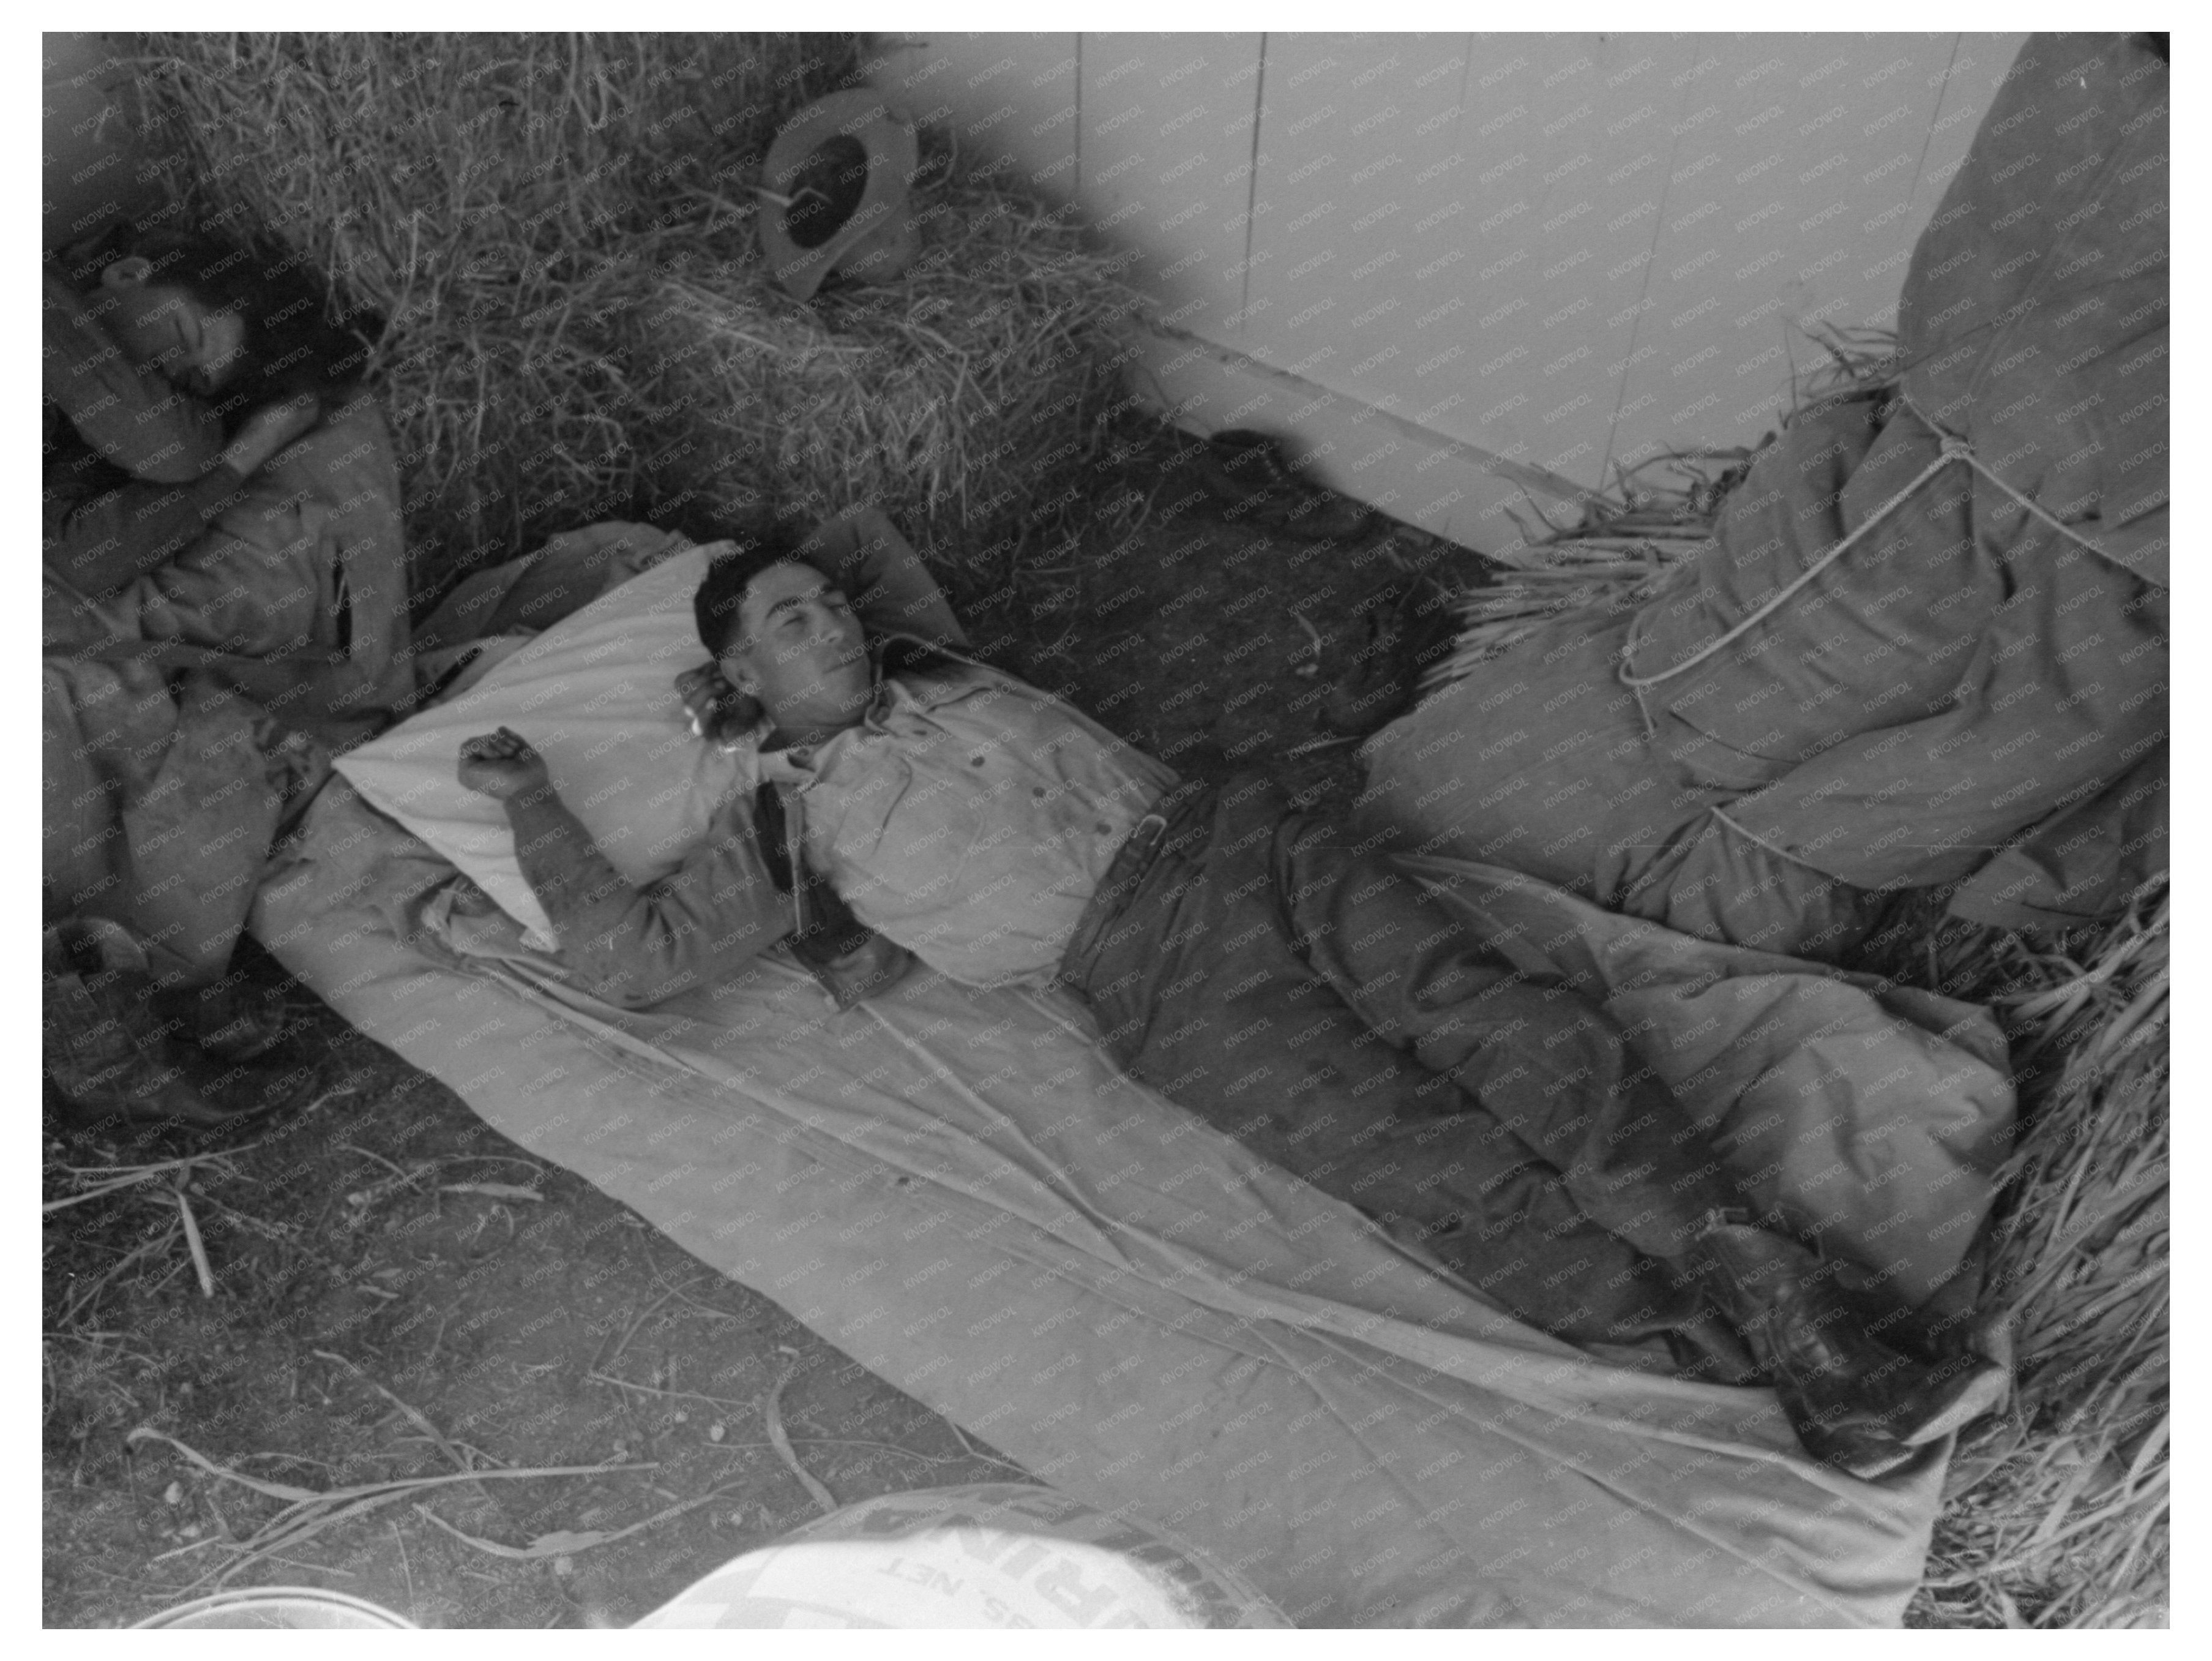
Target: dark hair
714 605
292 342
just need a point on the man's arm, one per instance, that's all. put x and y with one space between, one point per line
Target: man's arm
633 946
298 689
102 544
891 590
136 528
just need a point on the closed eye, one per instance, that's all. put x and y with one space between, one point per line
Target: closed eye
830 601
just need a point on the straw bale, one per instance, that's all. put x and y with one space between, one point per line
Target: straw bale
958 400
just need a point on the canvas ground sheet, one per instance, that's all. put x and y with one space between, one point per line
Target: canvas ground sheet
958 1188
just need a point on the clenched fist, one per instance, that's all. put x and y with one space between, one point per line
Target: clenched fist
503 765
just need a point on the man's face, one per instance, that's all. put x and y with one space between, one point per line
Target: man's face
159 326
800 649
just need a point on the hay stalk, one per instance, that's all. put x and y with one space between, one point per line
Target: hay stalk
1648 525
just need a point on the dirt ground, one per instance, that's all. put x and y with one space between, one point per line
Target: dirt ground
393 1290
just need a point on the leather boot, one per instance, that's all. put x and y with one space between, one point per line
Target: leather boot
105 1051
1855 1403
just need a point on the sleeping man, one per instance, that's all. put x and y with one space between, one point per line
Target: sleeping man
1306 997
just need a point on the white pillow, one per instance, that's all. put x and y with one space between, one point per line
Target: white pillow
596 694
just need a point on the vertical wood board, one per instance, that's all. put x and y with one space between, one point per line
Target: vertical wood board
1791 208
1009 100
1562 251
1166 143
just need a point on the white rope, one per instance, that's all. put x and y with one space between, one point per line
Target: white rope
1781 598
2035 507
1954 448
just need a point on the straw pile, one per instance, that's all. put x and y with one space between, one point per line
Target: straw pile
2055 1511
1634 535
558 232
2057 1514
1625 546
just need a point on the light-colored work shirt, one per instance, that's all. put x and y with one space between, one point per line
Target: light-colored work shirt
969 817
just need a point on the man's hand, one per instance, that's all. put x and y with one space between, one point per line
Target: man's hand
268 430
502 765
719 712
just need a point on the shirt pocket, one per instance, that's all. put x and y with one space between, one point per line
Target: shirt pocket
897 840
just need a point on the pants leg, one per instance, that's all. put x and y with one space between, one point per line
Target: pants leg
1547 1063
1203 992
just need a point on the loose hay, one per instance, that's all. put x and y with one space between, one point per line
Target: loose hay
558 233
1628 541
2057 1512
310 1512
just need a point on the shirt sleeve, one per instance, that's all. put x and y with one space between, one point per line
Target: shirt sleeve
891 590
634 946
102 544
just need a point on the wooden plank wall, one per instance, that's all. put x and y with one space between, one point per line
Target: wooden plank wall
1458 268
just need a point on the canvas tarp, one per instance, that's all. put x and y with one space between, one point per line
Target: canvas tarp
958 1188
1972 690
